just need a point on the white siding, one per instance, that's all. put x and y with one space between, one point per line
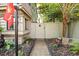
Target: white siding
76 30
53 30
47 30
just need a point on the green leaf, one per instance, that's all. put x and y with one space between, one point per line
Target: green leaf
8 47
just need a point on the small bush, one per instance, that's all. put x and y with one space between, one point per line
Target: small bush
74 46
1 29
21 53
54 46
8 45
27 40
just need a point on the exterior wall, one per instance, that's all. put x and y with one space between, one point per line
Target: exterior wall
33 30
46 30
21 23
76 30
10 36
53 30
70 29
21 30
40 30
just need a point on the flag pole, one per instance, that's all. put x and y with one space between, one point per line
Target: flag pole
16 30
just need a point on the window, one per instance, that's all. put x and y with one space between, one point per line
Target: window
4 24
26 24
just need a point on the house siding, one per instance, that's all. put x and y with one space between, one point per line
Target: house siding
24 12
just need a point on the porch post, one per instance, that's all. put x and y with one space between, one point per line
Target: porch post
16 30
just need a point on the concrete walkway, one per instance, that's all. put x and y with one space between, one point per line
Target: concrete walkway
40 48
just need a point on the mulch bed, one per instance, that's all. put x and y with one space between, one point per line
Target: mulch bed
24 48
60 50
4 52
28 48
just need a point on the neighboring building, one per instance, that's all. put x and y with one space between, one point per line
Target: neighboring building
26 14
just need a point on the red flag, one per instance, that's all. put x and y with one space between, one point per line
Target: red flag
10 8
10 22
9 14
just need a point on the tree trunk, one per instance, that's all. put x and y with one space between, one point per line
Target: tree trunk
64 24
65 19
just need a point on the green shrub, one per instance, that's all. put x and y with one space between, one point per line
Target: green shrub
74 46
9 44
20 53
27 40
1 29
54 46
